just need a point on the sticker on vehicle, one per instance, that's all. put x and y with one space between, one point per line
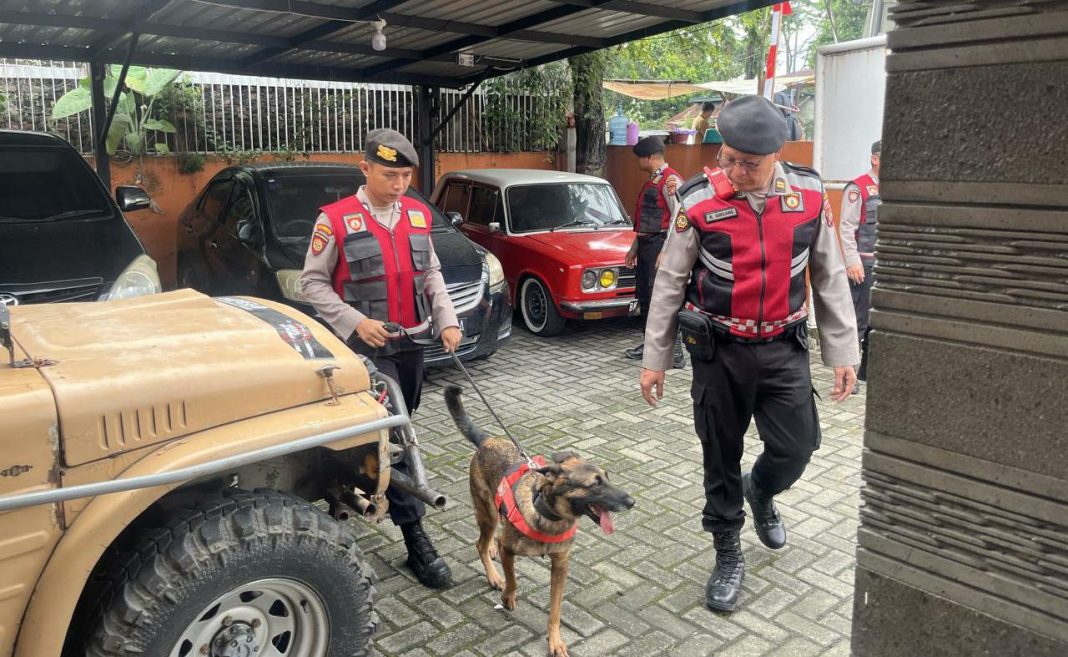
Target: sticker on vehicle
296 335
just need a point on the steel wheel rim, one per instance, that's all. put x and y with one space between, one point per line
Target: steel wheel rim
534 305
282 617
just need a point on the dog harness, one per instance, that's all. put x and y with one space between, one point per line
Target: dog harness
505 500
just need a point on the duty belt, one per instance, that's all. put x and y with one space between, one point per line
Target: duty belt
723 326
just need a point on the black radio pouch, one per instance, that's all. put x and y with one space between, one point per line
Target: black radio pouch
697 334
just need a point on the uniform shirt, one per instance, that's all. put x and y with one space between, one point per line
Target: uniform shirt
700 124
317 283
852 213
830 290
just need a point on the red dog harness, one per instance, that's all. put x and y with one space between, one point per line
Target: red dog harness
505 500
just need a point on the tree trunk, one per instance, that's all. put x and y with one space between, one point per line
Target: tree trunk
587 74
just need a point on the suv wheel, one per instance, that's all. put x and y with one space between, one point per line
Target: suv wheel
240 573
539 312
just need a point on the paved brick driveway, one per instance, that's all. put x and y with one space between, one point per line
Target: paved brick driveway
638 591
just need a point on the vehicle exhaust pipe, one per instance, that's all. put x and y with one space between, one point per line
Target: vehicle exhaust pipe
339 510
406 484
363 506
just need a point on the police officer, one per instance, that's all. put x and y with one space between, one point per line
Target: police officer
860 217
652 218
700 122
732 275
371 261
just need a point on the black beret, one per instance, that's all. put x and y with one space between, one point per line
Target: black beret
752 124
877 147
649 146
390 148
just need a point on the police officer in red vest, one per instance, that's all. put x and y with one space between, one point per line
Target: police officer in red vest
732 276
371 261
652 218
860 218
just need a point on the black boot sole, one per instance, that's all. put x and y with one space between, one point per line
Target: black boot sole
720 606
764 540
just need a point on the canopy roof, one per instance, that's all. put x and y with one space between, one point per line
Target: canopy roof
331 39
661 89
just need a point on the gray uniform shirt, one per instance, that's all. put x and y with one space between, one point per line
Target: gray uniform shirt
852 212
317 286
830 289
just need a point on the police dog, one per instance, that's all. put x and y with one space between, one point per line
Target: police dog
548 502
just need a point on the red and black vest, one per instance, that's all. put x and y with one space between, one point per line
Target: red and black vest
382 273
750 273
869 219
653 215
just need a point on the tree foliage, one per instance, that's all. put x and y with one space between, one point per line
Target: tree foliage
587 76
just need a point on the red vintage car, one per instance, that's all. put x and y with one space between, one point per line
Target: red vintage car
561 237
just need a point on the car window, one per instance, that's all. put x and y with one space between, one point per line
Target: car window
455 198
486 206
241 211
294 200
48 183
214 199
557 205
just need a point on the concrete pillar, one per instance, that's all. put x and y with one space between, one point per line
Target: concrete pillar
963 542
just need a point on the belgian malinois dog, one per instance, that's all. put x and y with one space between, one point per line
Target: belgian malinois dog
548 502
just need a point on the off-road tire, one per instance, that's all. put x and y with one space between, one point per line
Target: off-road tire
153 593
538 309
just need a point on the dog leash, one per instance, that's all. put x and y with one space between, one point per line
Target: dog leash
398 330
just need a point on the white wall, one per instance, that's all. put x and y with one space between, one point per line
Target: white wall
850 89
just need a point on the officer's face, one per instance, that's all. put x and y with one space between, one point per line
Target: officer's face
747 172
386 184
875 161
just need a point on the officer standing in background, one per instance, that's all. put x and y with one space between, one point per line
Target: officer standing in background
860 218
371 261
736 256
700 122
652 218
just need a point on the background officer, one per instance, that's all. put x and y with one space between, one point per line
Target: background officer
371 261
652 218
700 122
737 256
860 217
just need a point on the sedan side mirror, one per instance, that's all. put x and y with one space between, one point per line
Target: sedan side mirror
247 233
132 198
495 227
455 218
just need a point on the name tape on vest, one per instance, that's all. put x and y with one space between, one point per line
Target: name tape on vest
873 190
720 215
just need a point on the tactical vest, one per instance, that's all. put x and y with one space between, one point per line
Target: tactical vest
869 219
653 215
381 273
749 277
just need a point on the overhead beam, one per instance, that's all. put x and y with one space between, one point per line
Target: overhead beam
127 25
639 8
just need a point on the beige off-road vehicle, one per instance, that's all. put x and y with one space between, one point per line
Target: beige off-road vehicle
163 462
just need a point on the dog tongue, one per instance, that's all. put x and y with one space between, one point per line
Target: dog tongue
607 526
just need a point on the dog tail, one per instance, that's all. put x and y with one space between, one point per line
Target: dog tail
459 415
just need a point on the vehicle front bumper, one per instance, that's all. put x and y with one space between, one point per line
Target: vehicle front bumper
600 308
485 328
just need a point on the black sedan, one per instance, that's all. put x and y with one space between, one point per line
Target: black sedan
247 233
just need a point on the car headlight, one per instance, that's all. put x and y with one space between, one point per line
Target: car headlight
289 283
496 271
589 279
607 278
136 280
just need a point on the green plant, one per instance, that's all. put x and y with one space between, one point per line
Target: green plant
233 156
190 163
546 90
134 115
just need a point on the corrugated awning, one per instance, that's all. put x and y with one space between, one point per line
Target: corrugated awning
447 43
743 87
652 89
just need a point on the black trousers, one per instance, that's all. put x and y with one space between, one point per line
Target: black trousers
862 306
406 368
771 382
649 247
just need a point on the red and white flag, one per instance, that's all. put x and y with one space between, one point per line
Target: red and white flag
777 12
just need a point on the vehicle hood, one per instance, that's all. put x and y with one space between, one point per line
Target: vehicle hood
126 374
461 259
587 247
32 253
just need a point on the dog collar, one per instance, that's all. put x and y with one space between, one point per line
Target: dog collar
543 509
505 500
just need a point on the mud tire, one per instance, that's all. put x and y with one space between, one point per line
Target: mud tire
152 594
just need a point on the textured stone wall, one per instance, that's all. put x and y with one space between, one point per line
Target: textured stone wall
963 544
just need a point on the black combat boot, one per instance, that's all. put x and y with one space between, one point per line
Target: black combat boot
636 353
423 559
766 519
680 354
725 584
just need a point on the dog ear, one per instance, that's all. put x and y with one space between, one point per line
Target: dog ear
551 470
561 457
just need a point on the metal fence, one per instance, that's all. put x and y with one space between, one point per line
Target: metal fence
215 113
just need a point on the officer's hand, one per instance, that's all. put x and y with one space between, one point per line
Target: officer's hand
845 379
632 255
450 339
651 379
372 332
855 273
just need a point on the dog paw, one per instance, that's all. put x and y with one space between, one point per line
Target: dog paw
496 582
508 600
557 648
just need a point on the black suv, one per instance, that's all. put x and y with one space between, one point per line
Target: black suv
247 233
62 236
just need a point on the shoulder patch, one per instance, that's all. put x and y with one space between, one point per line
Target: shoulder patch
318 244
828 216
682 222
355 221
416 218
792 203
325 229
854 195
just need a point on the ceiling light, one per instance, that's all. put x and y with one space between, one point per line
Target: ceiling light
378 39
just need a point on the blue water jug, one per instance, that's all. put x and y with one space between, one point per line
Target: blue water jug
617 129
